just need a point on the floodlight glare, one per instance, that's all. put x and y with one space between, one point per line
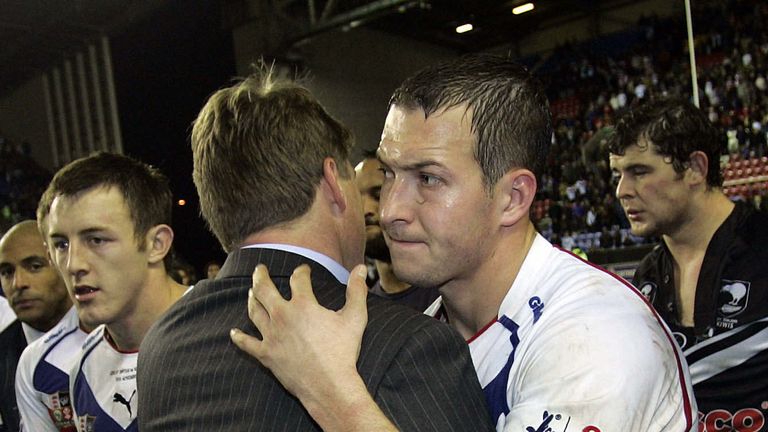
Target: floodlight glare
464 28
523 8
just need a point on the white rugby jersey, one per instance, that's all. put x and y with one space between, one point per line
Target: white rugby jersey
42 378
103 387
575 348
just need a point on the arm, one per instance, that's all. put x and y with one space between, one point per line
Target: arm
313 351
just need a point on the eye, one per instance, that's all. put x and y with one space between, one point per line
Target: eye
61 245
615 178
35 267
429 179
388 174
6 272
96 241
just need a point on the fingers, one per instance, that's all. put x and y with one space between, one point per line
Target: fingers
301 283
256 312
357 296
247 343
264 291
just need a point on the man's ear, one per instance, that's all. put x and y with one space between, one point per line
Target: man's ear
515 192
698 166
330 186
159 240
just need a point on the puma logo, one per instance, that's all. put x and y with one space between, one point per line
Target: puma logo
121 399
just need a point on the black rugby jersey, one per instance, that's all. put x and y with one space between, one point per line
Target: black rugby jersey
727 349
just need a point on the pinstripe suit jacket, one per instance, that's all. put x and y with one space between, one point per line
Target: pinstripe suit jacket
12 343
192 378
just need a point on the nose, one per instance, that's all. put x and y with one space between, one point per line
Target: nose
76 263
624 188
396 202
20 281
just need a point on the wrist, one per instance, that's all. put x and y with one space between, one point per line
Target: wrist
344 406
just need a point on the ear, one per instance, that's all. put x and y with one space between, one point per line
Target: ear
159 240
698 167
515 192
330 186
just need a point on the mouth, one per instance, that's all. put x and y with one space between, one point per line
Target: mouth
633 215
85 293
402 242
21 304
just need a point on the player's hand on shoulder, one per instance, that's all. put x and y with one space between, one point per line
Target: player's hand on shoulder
306 346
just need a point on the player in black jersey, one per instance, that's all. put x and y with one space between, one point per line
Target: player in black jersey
708 277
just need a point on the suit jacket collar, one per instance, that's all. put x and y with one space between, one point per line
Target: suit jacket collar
242 262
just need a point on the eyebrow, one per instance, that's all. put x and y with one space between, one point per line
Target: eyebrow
415 166
32 258
81 233
631 166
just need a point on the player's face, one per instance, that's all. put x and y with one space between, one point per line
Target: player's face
31 284
92 242
435 212
653 195
369 179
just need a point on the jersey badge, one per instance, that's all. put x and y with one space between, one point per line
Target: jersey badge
87 423
734 296
648 290
61 412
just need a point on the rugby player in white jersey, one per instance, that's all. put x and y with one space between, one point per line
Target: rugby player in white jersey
108 234
557 343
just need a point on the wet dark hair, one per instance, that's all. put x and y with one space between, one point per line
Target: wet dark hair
676 128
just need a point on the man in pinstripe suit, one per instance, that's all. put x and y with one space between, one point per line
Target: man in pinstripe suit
276 187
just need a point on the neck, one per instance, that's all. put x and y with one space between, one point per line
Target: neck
159 293
390 284
311 232
694 235
473 302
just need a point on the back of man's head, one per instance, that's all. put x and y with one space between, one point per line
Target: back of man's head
509 109
676 128
145 190
258 149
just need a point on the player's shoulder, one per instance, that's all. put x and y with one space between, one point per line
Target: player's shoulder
92 340
63 332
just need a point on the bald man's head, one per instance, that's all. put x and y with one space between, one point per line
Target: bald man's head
32 285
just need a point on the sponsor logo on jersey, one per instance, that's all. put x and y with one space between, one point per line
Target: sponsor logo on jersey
743 420
648 290
537 306
552 422
127 402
